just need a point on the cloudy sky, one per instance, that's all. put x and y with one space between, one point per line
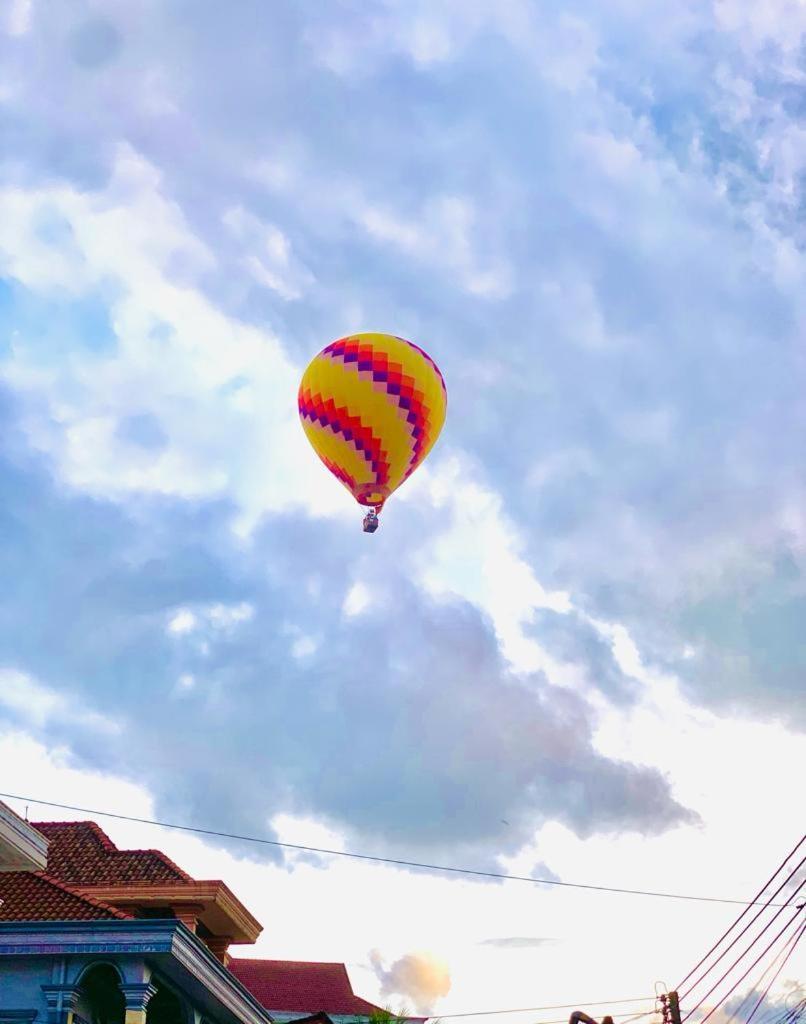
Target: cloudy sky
576 648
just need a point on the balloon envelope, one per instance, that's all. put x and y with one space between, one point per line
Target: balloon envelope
372 407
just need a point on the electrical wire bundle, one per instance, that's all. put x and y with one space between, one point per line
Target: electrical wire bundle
790 1015
757 946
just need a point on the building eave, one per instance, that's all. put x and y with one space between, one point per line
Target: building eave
22 848
223 913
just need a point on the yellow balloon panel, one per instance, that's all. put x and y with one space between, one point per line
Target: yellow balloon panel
372 407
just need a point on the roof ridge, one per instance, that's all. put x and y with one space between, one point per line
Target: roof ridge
89 834
93 826
347 978
58 884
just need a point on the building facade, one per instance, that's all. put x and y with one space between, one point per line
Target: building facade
90 934
116 970
108 936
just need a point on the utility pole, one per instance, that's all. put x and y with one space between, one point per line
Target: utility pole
670 1008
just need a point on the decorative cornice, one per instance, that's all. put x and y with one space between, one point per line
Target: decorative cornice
220 905
17 1016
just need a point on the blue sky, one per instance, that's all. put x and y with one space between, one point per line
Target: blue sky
592 217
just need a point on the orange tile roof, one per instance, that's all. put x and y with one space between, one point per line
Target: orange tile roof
81 853
36 896
299 986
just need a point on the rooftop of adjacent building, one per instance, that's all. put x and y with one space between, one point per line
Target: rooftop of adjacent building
288 986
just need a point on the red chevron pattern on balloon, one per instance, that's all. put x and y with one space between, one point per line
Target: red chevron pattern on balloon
325 412
376 366
338 472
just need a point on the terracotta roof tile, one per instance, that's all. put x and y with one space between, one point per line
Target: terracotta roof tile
81 853
300 987
36 896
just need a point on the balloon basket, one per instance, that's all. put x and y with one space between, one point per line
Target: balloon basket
371 522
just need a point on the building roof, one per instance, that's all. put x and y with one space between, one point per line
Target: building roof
36 896
81 853
297 986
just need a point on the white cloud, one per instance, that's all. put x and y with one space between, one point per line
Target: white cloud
39 706
20 693
184 621
357 599
446 233
421 977
303 646
563 48
780 21
429 41
479 557
223 393
222 617
267 254
19 16
619 158
227 616
186 682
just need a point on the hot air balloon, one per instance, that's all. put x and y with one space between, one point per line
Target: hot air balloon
372 407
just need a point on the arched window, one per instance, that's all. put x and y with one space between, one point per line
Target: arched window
100 999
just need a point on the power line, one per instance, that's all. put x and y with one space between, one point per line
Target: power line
556 1006
380 860
626 1017
789 952
793 1015
758 896
776 965
736 984
785 1016
743 954
768 903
